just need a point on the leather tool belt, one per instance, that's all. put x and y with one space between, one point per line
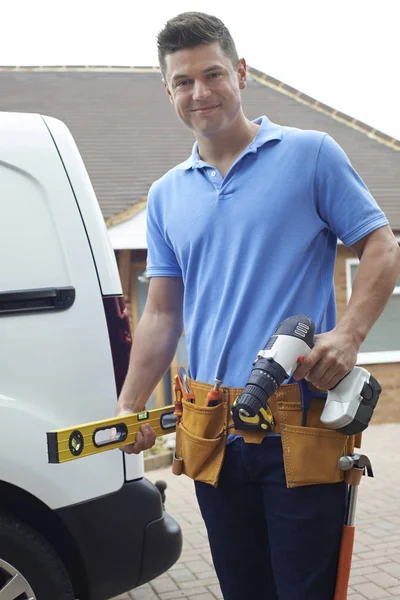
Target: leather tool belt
310 453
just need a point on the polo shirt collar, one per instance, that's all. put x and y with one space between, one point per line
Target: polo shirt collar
267 132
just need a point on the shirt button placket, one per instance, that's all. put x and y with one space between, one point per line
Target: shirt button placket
215 180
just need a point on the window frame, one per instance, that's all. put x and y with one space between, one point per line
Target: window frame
371 358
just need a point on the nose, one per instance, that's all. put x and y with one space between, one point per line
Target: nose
200 90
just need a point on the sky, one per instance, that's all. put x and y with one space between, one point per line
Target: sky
344 53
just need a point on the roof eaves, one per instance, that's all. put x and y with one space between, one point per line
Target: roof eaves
126 214
281 87
80 68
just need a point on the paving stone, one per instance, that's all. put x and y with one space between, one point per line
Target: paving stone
216 591
187 585
364 570
371 554
207 557
164 584
182 594
384 580
371 562
366 538
393 568
182 575
355 579
180 565
385 545
371 591
206 574
145 593
199 565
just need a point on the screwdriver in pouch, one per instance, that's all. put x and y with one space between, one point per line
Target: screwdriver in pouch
214 395
186 390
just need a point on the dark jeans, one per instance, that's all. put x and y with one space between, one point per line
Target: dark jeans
269 542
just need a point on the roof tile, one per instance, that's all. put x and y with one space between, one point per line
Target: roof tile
129 135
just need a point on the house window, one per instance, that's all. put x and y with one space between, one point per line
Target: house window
382 344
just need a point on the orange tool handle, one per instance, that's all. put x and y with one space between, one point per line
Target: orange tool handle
188 396
214 397
178 400
344 566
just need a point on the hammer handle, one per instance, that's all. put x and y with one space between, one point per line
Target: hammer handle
344 565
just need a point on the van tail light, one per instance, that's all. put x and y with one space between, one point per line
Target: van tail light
119 331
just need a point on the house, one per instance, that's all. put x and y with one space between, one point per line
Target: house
128 136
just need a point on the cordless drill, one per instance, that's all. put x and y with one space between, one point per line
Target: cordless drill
293 338
349 405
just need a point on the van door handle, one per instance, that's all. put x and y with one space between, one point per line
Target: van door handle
44 299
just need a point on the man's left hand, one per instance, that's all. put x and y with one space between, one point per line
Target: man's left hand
333 356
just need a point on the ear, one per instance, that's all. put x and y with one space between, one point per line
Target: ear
168 91
242 73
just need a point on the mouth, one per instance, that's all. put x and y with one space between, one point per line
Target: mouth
205 110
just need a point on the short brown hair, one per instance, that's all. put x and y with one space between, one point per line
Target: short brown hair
191 29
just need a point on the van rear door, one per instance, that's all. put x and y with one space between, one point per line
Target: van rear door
106 266
56 364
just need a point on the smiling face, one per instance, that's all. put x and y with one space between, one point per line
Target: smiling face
204 88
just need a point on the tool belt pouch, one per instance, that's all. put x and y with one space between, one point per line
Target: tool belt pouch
201 441
311 453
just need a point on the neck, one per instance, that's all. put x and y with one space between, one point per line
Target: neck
225 147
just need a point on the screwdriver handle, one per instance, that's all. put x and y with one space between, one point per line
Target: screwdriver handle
214 395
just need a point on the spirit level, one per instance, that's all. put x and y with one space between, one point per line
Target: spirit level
91 438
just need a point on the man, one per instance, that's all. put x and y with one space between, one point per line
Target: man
240 236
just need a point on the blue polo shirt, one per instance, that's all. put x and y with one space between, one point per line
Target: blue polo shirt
258 245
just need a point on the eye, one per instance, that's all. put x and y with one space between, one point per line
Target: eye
214 75
183 82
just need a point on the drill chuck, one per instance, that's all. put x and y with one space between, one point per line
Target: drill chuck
250 410
264 380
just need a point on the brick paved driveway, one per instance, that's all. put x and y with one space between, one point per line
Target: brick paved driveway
376 560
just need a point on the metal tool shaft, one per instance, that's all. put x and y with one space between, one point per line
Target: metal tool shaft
352 503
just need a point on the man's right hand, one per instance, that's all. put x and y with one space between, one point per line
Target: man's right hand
145 438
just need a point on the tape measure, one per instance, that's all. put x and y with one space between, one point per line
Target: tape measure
91 438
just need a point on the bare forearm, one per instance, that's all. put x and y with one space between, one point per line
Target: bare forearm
335 352
372 287
154 345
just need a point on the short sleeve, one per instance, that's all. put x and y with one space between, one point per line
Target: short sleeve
343 200
161 259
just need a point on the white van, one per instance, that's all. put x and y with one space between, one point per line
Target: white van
91 528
